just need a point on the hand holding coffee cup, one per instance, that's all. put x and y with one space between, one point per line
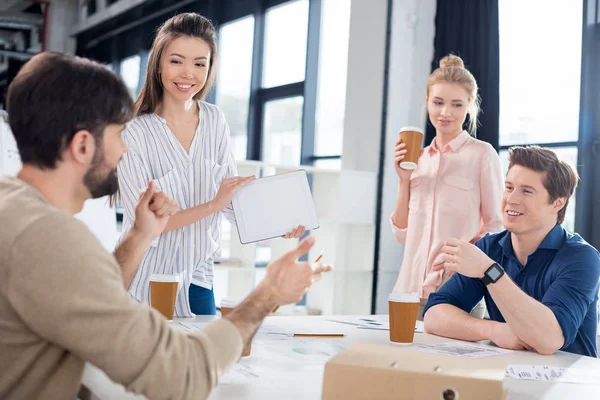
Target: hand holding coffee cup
407 151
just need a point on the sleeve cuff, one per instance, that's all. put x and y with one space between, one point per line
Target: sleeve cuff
564 319
398 232
225 341
441 298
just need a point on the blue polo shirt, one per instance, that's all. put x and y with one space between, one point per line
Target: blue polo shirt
563 274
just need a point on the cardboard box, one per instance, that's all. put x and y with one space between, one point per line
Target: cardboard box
369 371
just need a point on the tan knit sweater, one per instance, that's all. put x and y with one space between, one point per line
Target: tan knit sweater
62 303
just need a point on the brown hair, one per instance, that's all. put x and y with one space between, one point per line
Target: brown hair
560 178
452 70
51 83
186 24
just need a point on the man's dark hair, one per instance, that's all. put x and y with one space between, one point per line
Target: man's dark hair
560 179
56 95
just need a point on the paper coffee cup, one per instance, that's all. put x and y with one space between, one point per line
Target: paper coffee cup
412 137
228 305
163 293
403 309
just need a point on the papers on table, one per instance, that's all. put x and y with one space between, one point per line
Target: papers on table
188 326
378 322
460 349
549 373
271 361
358 321
268 331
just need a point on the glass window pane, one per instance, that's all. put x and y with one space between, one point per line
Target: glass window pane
333 66
130 71
540 70
569 155
233 80
282 131
286 28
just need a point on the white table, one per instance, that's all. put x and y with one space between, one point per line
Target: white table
305 382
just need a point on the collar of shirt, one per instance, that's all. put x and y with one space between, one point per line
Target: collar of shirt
164 121
454 145
554 240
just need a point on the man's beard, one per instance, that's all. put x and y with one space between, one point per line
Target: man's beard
98 185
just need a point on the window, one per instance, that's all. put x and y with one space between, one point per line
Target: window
286 28
331 91
267 89
283 131
130 71
540 71
233 85
540 74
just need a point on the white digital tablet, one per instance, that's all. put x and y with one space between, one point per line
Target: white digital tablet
273 206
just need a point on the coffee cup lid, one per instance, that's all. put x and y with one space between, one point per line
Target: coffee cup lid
404 297
230 302
411 128
164 278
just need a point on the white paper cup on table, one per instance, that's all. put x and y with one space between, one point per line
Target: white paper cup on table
163 293
403 309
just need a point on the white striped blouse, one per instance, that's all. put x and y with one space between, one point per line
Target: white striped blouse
190 179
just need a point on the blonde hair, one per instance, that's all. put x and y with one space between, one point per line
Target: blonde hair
452 70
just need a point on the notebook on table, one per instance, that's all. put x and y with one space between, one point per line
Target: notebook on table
272 206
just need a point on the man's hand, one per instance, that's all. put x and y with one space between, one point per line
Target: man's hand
465 258
285 282
287 279
151 215
295 233
503 336
228 188
152 212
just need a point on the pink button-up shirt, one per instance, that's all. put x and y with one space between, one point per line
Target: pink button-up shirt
454 192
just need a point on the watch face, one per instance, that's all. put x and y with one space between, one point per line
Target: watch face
494 273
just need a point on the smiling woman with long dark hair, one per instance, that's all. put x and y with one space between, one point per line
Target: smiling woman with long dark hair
183 144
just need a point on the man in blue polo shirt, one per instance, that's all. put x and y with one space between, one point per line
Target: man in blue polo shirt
540 283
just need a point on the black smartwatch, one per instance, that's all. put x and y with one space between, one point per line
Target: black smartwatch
492 274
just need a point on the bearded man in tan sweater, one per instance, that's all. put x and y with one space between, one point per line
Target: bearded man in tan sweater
62 296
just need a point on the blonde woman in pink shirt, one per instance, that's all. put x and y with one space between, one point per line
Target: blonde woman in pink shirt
456 189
